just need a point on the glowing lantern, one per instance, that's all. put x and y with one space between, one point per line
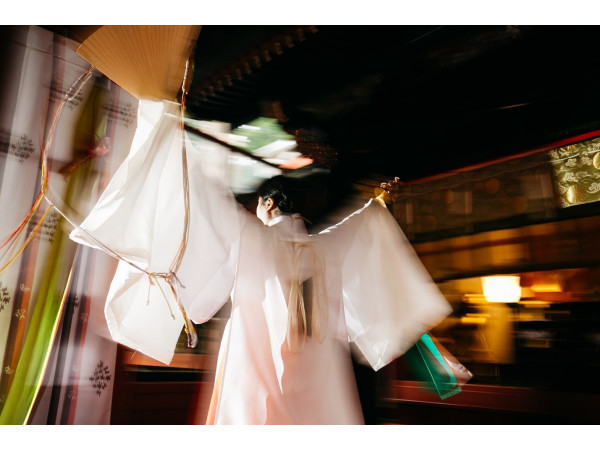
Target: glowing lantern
501 288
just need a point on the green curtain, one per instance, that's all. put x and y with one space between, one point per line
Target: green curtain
40 336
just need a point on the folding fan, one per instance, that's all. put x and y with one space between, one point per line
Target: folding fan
148 61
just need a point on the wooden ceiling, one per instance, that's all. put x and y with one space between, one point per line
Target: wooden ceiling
408 101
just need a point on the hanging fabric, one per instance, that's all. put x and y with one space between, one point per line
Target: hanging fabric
44 274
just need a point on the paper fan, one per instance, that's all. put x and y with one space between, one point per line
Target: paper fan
148 61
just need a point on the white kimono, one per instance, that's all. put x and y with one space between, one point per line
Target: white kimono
372 288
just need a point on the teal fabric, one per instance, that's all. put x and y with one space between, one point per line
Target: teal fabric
431 368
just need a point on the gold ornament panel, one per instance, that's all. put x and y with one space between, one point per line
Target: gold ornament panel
576 170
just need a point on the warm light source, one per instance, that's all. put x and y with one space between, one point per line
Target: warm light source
501 288
548 287
547 282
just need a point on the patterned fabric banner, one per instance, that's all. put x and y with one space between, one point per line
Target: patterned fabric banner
57 362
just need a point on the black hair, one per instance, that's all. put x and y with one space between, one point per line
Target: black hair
279 189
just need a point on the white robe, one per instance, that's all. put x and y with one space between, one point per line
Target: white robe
377 293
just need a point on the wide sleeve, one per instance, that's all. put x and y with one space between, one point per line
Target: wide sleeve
139 218
389 298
